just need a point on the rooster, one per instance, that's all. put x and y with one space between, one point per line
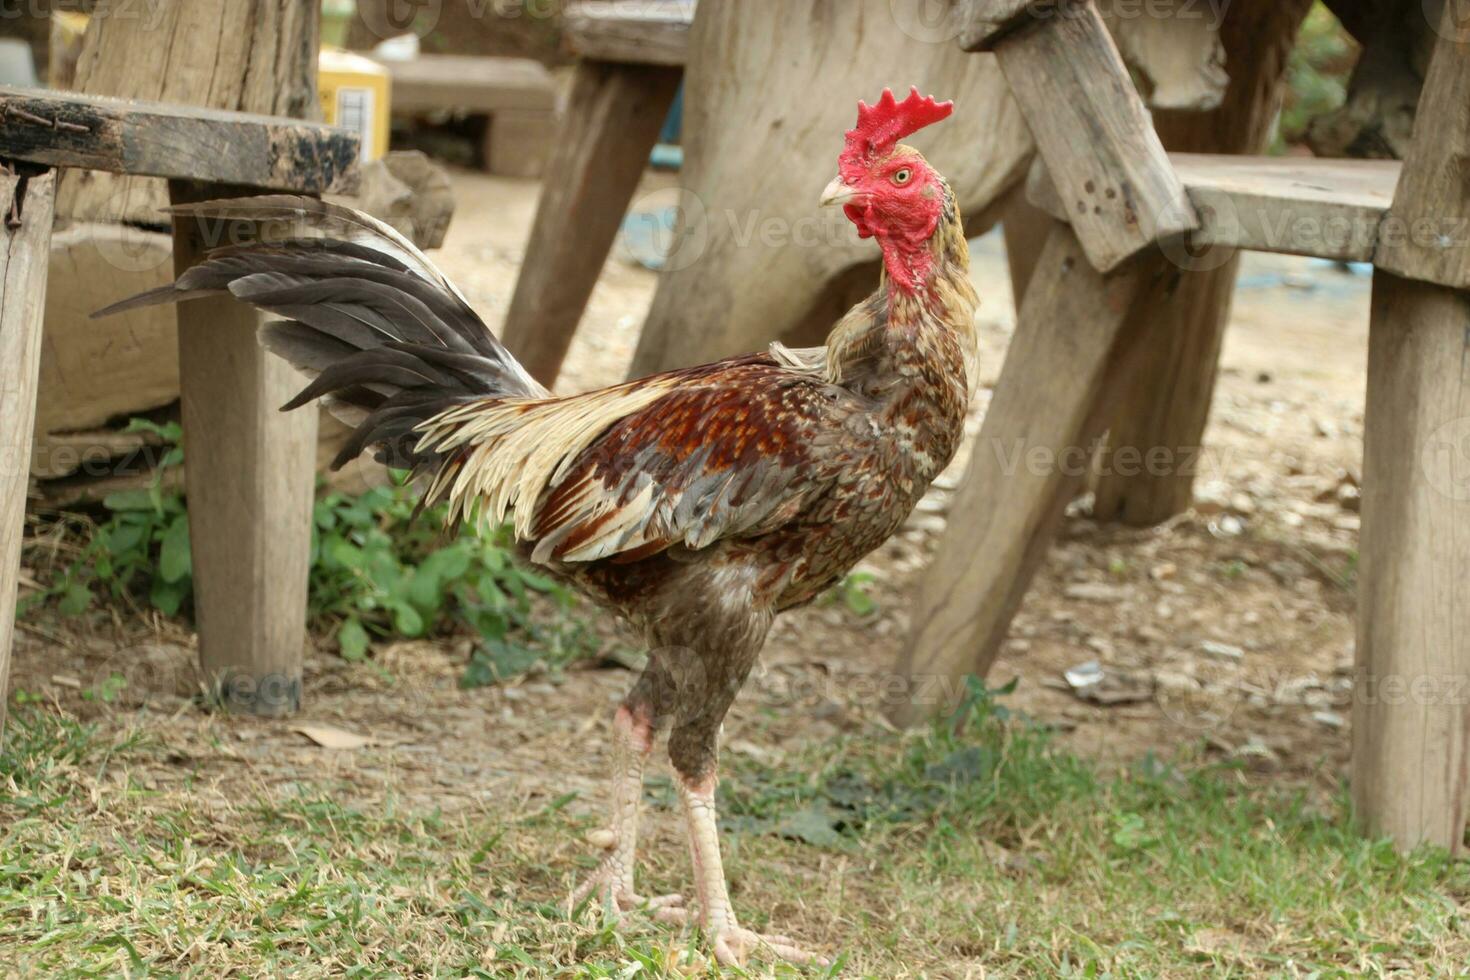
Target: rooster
697 503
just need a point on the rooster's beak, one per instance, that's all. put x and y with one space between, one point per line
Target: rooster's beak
837 192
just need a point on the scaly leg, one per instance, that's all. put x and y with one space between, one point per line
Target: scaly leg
732 943
613 879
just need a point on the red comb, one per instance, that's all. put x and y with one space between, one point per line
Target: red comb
881 126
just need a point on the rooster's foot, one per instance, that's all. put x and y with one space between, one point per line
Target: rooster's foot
734 945
614 891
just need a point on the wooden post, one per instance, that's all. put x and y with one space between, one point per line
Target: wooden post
612 121
250 473
1076 330
1411 715
1170 410
24 255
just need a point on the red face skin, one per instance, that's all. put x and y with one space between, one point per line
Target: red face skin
898 200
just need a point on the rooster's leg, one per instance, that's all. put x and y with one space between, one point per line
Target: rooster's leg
613 880
733 943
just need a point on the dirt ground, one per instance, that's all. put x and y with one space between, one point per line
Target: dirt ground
1230 629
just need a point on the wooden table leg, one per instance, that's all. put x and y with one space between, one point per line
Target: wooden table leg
1411 715
612 121
1411 708
24 258
250 473
1075 332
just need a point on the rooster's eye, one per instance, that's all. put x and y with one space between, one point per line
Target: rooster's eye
901 177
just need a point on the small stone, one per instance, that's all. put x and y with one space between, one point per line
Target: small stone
1096 592
1211 497
1331 719
1222 651
602 838
1228 526
1163 570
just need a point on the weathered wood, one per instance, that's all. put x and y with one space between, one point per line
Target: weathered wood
23 265
762 261
1176 50
1411 720
1430 237
1154 441
612 120
258 57
250 475
136 352
637 32
1091 127
1377 119
1332 209
475 84
1033 453
61 129
985 23
519 143
1026 229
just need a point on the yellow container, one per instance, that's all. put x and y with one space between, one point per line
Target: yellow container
354 93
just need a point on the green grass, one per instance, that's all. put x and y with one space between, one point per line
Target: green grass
936 854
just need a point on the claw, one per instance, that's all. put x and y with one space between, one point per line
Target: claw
733 947
617 895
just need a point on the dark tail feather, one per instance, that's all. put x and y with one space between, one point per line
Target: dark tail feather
388 341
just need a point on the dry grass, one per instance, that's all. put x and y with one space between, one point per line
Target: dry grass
991 854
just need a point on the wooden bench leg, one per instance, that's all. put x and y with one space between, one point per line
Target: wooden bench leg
1163 415
1033 452
250 472
612 122
24 258
1411 714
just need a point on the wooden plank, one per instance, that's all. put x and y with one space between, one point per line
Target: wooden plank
638 32
612 120
1411 716
250 470
1031 456
469 82
1091 128
24 253
61 129
1331 209
1427 233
